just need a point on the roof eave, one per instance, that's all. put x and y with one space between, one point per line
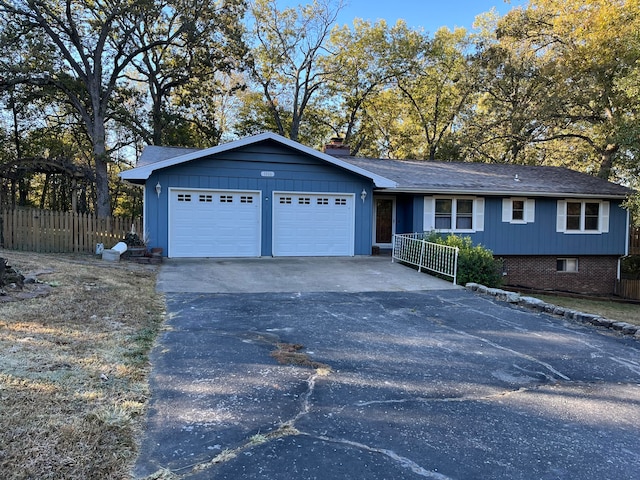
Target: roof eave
499 193
143 173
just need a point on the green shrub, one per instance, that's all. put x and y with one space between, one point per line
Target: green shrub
475 262
630 267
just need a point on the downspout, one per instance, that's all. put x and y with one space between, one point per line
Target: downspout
144 208
628 233
626 248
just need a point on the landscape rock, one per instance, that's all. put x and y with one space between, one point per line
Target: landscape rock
531 302
569 314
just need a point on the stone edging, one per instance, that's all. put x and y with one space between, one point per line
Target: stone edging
567 313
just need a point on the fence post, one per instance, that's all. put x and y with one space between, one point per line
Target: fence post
393 248
455 266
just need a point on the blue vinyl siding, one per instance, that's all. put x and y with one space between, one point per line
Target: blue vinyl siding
541 238
409 213
241 170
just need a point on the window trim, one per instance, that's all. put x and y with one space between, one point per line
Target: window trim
529 214
566 261
477 214
603 217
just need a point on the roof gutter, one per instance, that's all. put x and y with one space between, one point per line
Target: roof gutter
498 193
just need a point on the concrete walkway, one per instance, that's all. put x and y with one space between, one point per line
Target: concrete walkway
294 274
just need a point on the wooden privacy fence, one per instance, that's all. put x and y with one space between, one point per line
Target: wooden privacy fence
46 231
627 288
634 241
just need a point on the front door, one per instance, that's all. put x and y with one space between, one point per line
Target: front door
384 221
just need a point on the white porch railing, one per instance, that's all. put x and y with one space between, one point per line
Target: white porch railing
412 248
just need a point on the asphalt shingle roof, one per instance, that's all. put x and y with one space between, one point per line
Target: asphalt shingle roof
152 154
457 177
461 177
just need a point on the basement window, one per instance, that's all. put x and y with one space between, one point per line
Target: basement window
567 265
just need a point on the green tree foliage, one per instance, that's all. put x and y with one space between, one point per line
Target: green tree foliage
284 62
504 125
83 49
556 85
86 46
186 79
436 81
399 92
358 66
555 82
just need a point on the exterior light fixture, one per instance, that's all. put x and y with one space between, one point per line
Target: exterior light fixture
158 189
363 195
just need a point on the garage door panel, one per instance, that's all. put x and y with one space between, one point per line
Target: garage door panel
210 223
313 224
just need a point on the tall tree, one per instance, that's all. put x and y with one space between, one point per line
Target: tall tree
584 49
358 66
437 86
504 125
91 43
183 77
286 46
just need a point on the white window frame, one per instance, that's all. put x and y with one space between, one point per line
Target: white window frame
603 217
477 216
529 214
568 261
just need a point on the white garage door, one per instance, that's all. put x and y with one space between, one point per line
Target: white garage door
312 224
214 223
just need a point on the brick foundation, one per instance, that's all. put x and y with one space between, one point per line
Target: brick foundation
595 275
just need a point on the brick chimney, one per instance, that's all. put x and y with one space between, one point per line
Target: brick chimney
337 147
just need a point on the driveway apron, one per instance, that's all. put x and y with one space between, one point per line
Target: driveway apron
386 383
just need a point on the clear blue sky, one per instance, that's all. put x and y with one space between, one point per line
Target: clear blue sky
428 14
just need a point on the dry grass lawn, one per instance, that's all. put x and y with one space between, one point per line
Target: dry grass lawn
620 311
73 368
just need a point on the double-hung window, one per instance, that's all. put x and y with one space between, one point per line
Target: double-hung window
518 210
582 216
464 214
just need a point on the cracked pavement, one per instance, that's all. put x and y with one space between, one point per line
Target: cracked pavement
440 384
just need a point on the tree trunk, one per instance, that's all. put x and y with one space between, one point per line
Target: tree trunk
607 155
432 152
100 157
295 128
45 187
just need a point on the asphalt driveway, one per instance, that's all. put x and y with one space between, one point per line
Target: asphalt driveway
384 384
